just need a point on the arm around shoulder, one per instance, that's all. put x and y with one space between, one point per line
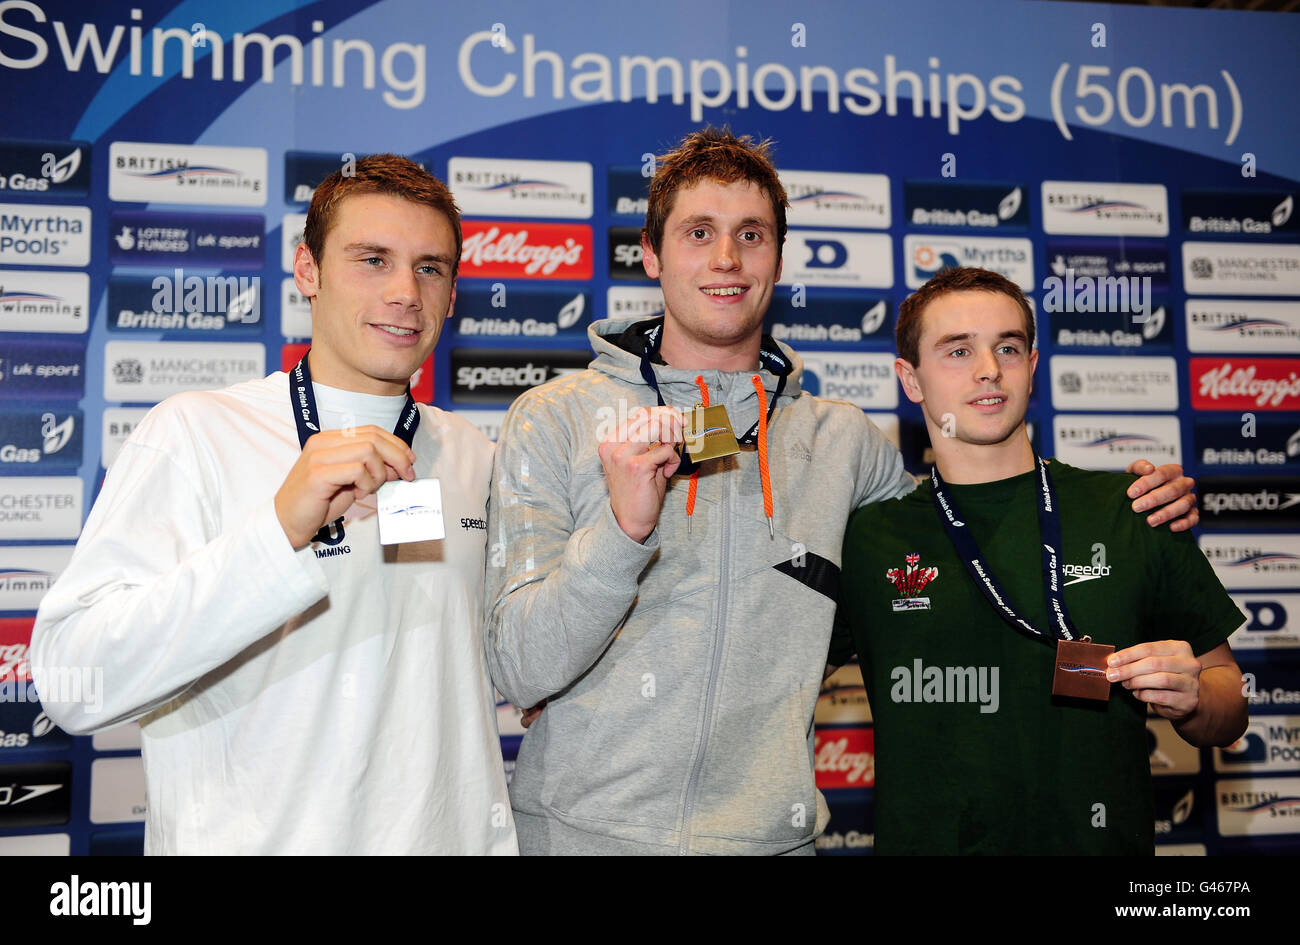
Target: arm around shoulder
881 472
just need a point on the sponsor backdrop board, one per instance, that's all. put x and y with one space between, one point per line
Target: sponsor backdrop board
152 191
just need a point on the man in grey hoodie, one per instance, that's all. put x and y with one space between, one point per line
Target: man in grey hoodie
678 624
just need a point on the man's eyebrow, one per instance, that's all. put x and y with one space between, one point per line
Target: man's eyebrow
436 257
967 336
381 250
699 218
365 248
949 339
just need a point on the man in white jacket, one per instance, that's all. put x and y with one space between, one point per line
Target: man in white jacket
301 687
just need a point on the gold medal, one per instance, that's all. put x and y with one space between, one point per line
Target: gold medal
708 433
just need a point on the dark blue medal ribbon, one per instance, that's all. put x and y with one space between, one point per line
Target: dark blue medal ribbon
769 356
1049 524
303 402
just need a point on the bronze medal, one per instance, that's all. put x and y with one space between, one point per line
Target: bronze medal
1081 669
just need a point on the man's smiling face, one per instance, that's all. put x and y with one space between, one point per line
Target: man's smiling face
380 293
718 262
975 370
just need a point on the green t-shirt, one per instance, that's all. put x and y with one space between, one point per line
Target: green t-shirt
973 752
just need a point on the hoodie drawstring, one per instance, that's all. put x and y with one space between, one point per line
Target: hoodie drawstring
764 474
695 476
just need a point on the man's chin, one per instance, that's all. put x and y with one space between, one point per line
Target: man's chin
731 330
397 373
993 437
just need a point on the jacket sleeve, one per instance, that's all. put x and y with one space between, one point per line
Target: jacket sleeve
555 594
156 595
880 468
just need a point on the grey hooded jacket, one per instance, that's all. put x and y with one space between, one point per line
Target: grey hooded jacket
681 673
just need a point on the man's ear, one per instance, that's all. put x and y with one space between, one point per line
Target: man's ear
907 377
306 274
648 258
1033 368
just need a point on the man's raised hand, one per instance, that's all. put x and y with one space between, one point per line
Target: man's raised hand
335 469
639 459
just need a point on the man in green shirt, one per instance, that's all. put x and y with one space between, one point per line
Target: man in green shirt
951 604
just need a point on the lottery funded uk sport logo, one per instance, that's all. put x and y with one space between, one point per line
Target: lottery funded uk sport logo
212 240
910 581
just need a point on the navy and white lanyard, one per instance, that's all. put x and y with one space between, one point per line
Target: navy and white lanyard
303 399
1049 524
769 356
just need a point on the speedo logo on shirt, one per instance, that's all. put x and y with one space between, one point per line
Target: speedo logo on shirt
1078 573
1096 568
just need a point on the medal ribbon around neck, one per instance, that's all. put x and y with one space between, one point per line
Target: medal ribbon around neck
302 400
769 356
1049 524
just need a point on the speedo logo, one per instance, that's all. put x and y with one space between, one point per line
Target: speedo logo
525 375
1078 573
482 375
1262 501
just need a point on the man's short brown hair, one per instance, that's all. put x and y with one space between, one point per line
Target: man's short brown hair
907 333
388 174
712 154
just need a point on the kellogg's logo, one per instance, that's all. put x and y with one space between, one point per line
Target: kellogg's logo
15 636
845 758
1256 384
527 250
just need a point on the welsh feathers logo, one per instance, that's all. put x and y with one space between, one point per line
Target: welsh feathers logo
911 579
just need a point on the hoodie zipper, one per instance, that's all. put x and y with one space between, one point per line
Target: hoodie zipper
692 785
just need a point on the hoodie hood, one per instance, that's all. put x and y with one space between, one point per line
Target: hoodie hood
735 389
